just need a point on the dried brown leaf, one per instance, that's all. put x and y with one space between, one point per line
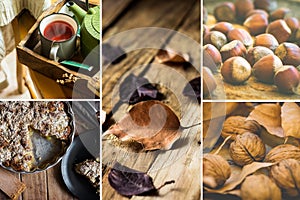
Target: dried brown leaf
151 123
234 181
268 116
290 113
170 56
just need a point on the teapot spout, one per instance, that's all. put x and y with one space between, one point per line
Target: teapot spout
78 12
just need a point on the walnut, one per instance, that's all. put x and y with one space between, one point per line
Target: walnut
286 175
247 148
216 170
283 151
236 125
260 187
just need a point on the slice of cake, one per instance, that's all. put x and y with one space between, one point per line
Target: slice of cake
91 170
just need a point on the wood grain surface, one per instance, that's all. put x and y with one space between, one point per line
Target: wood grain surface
182 162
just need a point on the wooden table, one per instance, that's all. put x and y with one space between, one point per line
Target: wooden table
49 184
182 162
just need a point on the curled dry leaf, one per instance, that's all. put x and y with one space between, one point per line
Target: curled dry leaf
129 182
135 89
171 56
268 116
193 89
151 123
290 114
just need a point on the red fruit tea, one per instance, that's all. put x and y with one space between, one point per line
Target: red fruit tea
58 31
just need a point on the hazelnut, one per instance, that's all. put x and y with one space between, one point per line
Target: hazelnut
237 125
280 30
205 30
266 40
216 170
289 53
259 186
231 49
265 68
211 57
236 70
286 175
243 7
287 79
223 27
215 38
256 53
247 148
241 35
279 13
282 152
257 11
225 12
256 23
292 22
209 82
267 5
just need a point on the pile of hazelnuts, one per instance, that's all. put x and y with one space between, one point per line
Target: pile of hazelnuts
265 46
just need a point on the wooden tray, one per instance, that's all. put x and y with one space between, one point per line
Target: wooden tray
28 52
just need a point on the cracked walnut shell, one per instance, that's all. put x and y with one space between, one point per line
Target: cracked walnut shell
247 148
236 125
286 175
216 170
260 187
283 151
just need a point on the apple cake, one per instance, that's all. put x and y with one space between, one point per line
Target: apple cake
18 119
91 170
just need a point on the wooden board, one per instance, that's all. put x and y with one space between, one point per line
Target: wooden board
182 162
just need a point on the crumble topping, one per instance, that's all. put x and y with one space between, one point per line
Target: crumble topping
17 119
91 170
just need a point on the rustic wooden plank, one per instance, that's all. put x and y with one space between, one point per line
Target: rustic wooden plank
56 187
180 163
143 14
111 10
36 186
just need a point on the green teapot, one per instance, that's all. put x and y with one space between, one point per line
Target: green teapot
89 28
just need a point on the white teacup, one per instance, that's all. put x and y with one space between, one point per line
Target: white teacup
58 36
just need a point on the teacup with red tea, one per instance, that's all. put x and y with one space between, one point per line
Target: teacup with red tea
58 36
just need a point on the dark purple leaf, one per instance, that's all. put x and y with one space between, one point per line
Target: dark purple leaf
129 182
135 89
112 54
193 89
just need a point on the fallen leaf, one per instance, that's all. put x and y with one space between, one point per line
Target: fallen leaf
135 89
290 114
129 182
233 182
112 54
170 56
193 89
150 123
268 116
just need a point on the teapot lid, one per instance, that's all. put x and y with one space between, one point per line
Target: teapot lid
92 22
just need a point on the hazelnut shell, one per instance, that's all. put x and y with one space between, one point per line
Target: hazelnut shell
287 79
280 30
236 70
233 48
266 40
265 68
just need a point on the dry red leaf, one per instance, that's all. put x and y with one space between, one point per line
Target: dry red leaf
151 123
268 116
290 114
